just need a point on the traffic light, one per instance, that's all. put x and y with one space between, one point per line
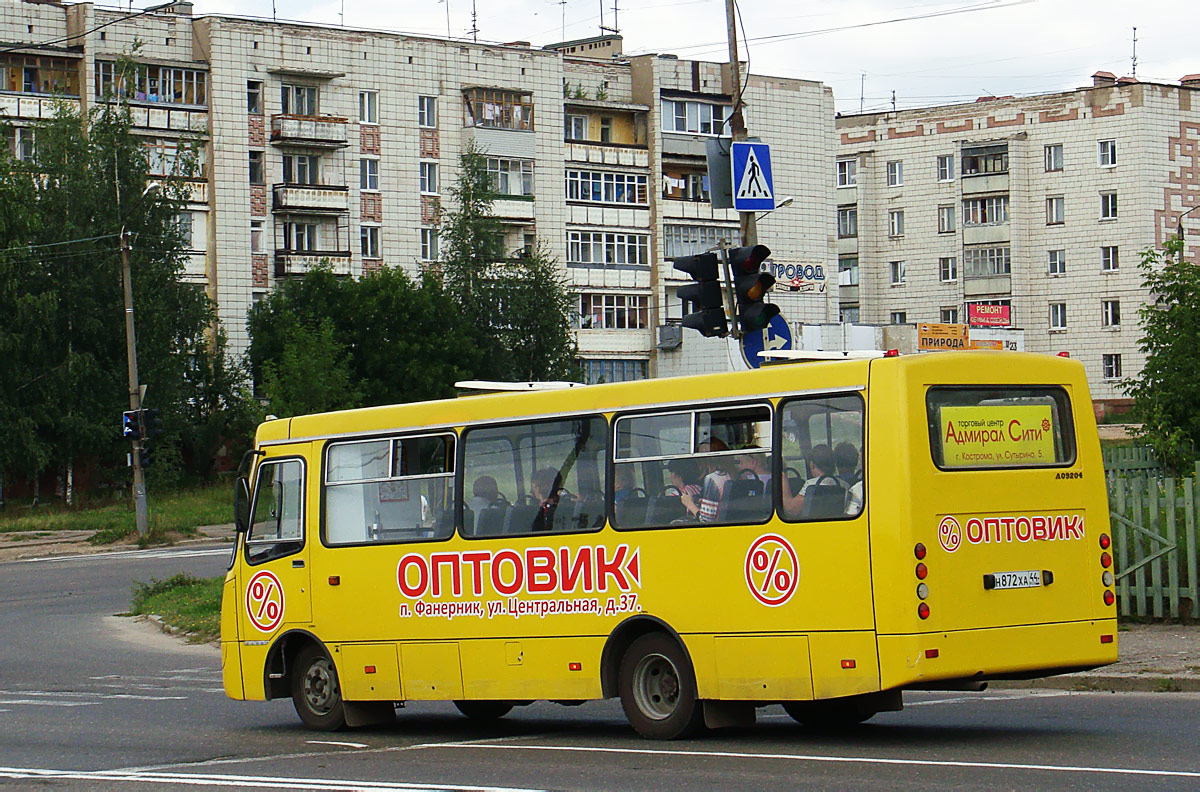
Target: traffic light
151 423
750 285
130 427
146 458
704 296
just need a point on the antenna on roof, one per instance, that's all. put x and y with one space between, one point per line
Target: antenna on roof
604 28
474 31
1135 51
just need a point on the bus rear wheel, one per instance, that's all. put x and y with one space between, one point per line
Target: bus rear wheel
831 713
315 691
484 710
658 689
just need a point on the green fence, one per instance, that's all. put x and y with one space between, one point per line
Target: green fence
1154 537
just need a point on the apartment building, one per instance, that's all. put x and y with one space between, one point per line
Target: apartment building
340 145
1022 212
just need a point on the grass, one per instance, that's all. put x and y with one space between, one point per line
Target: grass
172 515
186 604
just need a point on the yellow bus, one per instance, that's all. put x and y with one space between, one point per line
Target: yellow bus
823 535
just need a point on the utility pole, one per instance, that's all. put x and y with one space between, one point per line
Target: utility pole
737 124
135 393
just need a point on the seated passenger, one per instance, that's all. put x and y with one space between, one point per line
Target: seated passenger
846 459
623 484
485 492
716 477
546 489
821 474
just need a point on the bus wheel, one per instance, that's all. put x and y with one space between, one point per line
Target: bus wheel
315 691
658 689
831 713
484 710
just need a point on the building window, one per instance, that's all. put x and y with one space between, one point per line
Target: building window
368 174
301 169
575 127
427 111
613 312
146 83
848 271
1108 153
256 167
597 370
896 222
1054 157
945 219
369 238
985 160
847 222
682 240
1108 206
1056 210
429 244
602 187
256 235
899 317
368 107
300 237
698 118
984 262
254 97
945 168
896 270
1058 316
1110 258
45 75
1112 367
21 142
183 224
848 313
429 177
1057 262
607 248
487 107
162 157
1110 313
949 315
847 173
511 176
895 173
948 269
606 127
298 99
683 185
992 210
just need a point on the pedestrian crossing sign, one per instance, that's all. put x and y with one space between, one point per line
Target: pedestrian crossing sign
753 188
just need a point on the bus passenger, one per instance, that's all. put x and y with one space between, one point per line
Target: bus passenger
821 472
623 484
715 478
846 459
754 461
485 493
545 487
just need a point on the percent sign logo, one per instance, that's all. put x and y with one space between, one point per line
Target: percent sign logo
264 601
949 534
772 569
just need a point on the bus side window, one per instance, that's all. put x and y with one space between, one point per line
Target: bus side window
277 524
821 458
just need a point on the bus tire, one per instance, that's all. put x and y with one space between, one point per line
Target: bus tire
484 710
831 713
658 689
315 691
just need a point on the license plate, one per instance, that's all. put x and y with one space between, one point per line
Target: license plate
1030 578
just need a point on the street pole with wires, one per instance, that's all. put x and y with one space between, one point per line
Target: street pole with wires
737 124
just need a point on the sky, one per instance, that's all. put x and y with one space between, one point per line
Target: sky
926 52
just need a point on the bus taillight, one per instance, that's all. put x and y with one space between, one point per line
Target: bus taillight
922 590
1105 560
1109 598
922 571
1107 578
923 609
919 551
1105 542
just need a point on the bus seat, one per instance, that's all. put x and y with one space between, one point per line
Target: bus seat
824 500
584 516
631 512
444 525
491 521
468 521
519 519
664 510
743 501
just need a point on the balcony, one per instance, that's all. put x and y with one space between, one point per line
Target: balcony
310 131
310 198
298 262
978 183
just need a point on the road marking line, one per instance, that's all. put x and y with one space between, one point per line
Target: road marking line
986 698
336 742
48 702
151 554
841 759
271 782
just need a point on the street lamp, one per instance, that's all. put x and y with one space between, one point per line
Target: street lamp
782 203
141 510
1179 229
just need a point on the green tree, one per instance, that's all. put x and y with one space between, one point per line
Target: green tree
520 304
312 375
1167 390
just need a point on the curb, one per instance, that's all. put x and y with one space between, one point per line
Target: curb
1110 683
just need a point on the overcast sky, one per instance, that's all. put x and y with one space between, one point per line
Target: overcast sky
927 52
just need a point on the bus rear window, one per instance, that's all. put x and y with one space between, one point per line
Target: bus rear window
1000 427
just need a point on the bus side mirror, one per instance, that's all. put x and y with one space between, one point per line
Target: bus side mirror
241 504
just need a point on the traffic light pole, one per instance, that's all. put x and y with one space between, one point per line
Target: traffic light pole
135 393
737 124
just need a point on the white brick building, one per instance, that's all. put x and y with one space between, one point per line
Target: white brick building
341 144
1039 203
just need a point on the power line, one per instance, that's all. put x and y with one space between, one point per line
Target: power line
70 38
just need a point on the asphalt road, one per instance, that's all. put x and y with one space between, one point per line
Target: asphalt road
90 700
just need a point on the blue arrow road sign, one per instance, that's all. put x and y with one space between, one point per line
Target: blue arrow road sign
777 335
753 188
